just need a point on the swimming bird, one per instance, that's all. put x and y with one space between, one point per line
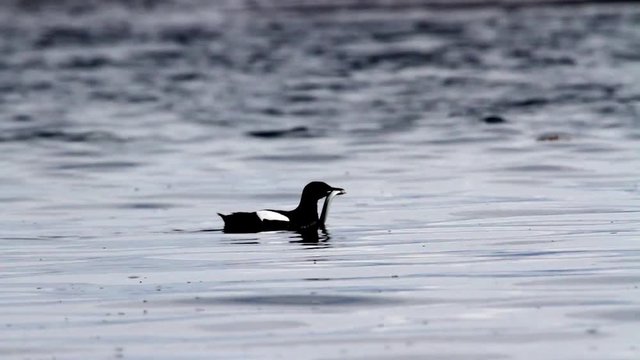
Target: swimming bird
303 217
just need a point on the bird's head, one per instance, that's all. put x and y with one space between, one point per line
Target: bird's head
317 190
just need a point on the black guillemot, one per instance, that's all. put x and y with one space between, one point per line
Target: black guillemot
304 217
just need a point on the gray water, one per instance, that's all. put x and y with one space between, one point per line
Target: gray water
490 155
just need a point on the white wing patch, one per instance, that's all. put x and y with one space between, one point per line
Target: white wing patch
271 216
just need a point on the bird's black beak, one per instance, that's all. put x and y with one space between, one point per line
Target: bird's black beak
339 190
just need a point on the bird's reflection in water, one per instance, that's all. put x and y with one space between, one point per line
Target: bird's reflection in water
317 238
247 242
243 241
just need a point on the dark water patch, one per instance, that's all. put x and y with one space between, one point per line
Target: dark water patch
14 199
220 60
596 149
185 76
76 35
140 98
58 135
295 132
390 35
63 35
493 119
439 27
509 149
123 96
462 140
528 102
313 111
22 118
506 133
627 55
301 158
98 166
451 57
39 85
271 111
295 300
590 90
300 98
622 315
13 87
188 34
561 95
17 238
553 136
532 60
541 168
147 205
333 85
161 56
86 62
633 136
464 82
397 58
81 153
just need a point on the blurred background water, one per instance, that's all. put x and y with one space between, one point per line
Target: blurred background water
490 154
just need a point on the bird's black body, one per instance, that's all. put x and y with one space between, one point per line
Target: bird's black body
304 217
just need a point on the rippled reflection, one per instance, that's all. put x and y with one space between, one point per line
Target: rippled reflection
312 238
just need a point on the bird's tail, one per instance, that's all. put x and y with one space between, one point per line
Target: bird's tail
224 217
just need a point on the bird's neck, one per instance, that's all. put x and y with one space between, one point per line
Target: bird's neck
325 207
308 209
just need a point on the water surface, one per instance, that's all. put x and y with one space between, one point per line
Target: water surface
490 156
